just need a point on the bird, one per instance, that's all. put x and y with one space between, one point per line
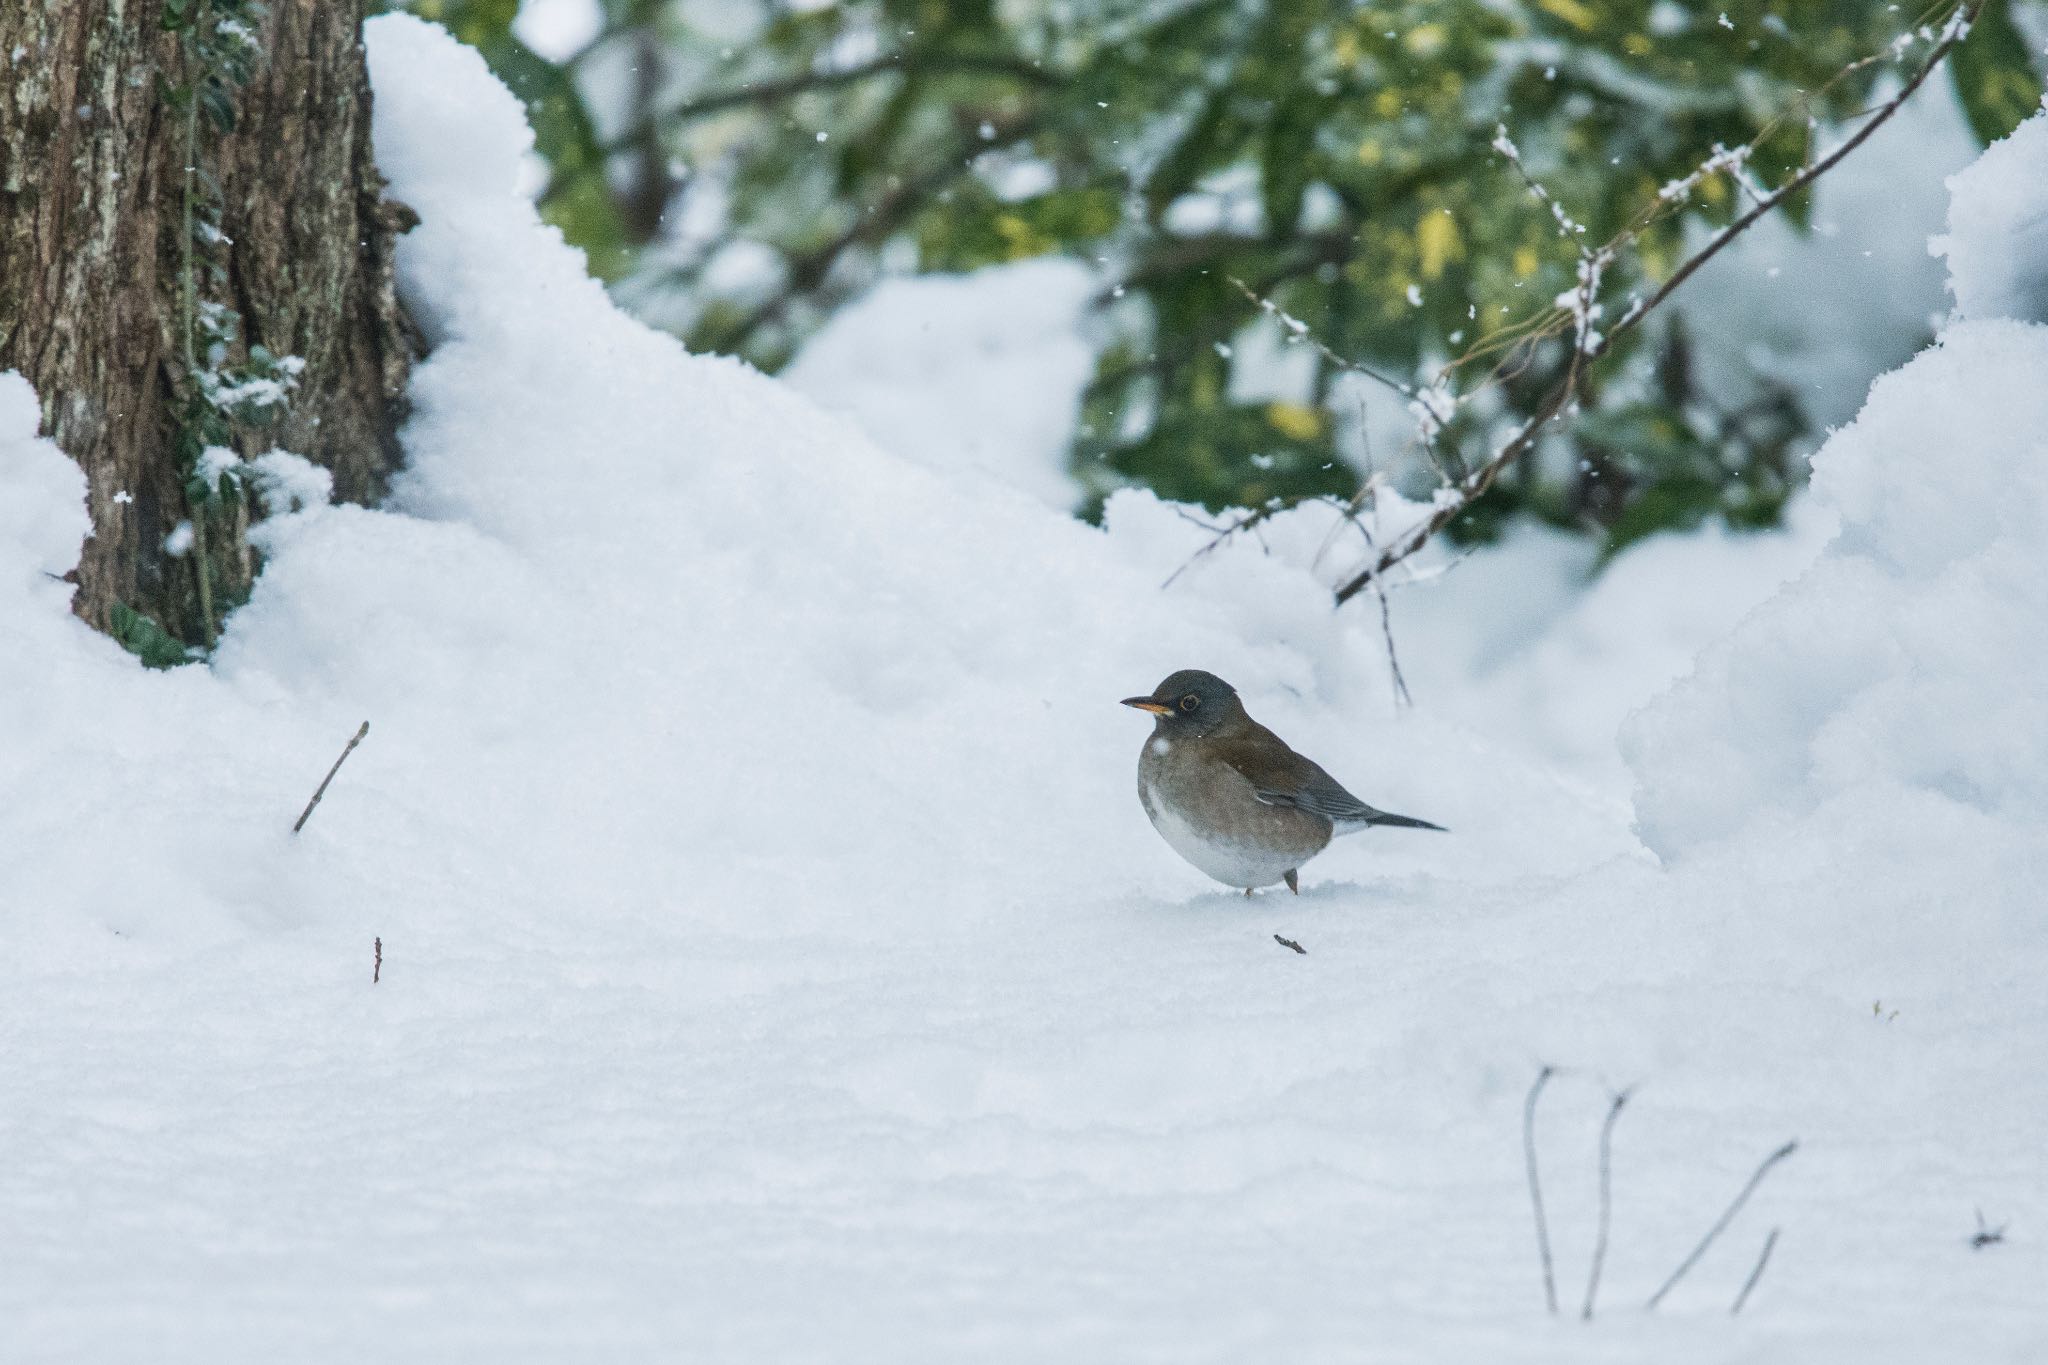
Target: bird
1228 795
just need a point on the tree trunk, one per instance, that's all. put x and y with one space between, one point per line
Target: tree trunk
187 188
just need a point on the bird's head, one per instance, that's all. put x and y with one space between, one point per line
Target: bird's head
1191 703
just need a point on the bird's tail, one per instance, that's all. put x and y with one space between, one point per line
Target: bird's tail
1381 817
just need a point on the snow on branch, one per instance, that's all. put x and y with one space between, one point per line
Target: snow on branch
1579 309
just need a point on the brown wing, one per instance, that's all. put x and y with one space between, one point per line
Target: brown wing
1282 777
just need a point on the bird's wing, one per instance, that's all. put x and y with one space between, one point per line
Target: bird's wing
1282 777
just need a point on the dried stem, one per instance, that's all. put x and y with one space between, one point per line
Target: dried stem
1588 348
321 791
1290 943
1536 1186
1763 1259
1606 1200
376 962
1721 1223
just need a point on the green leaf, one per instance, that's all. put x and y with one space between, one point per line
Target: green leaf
145 639
1994 76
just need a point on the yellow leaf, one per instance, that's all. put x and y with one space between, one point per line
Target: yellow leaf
1424 40
1579 16
1020 239
1296 421
1526 261
1437 243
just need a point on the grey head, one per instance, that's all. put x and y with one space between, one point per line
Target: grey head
1191 703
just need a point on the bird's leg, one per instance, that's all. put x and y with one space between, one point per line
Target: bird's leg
1247 893
1293 881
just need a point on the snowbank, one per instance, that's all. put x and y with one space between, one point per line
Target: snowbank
980 372
1907 666
1997 243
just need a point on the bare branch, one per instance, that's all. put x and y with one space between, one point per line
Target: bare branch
321 790
1606 1200
1721 1223
1763 1259
1297 328
804 82
1536 1186
1290 943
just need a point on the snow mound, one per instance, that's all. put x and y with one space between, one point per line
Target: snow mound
1997 242
1907 665
982 371
42 499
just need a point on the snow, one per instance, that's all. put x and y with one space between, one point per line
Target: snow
982 372
1997 243
1906 666
776 964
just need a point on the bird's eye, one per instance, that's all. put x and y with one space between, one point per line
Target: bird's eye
1190 702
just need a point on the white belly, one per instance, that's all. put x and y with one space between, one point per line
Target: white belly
1233 864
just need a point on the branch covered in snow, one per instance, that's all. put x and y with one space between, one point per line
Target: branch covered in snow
1580 307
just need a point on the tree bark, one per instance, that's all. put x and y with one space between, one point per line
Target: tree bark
95 240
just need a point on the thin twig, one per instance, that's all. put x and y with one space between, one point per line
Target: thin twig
1536 1186
1588 350
321 791
1986 1235
1763 1259
1290 943
1727 1217
1296 327
1606 1200
786 87
1223 533
377 963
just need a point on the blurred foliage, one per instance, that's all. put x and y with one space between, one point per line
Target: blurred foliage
762 163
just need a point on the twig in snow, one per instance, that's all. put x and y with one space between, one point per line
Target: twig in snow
1248 522
377 962
1986 1236
1536 1185
1589 347
321 791
1290 943
1606 1200
1763 1259
1721 1223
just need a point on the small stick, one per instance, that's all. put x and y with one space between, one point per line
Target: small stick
1290 943
1536 1185
1986 1235
1606 1200
377 966
321 791
1762 1260
1727 1217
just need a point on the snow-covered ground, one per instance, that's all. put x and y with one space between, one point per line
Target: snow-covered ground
777 965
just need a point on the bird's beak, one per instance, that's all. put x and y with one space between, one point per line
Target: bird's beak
1147 704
